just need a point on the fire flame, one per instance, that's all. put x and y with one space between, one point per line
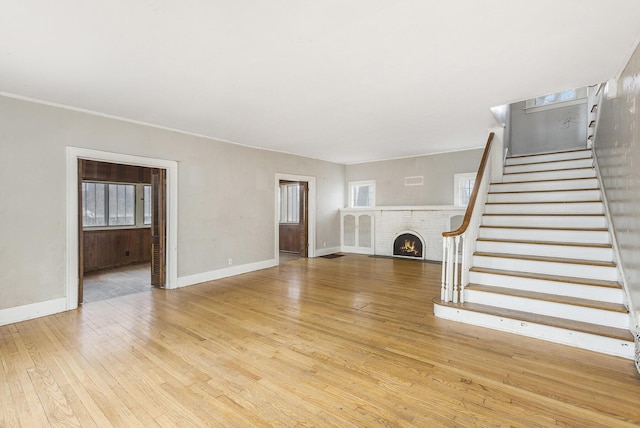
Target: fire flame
409 247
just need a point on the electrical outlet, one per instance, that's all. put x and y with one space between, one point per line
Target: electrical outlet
230 262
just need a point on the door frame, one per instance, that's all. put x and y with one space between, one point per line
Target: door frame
75 153
311 226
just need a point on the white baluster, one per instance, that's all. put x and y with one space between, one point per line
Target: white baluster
450 266
456 286
444 268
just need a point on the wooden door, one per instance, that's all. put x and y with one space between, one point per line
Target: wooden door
158 227
80 235
304 219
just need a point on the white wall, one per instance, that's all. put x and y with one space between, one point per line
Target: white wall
225 207
552 129
617 149
437 171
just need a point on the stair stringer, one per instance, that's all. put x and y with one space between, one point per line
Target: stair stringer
634 315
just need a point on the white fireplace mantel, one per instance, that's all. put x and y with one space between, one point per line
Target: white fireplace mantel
373 230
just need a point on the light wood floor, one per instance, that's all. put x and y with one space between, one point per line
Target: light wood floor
345 342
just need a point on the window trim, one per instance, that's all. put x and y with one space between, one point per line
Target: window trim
284 199
138 207
363 183
581 97
458 179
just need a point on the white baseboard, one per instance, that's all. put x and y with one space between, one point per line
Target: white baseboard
32 310
198 278
326 251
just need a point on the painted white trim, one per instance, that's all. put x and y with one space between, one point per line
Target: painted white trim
604 345
75 153
32 310
312 212
185 281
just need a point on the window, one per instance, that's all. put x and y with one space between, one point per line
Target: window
463 187
290 203
362 194
146 201
114 204
558 99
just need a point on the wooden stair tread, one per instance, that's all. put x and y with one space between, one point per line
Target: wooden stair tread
548 161
572 229
583 327
561 152
546 259
549 277
547 214
497 183
543 202
548 170
566 244
519 192
546 297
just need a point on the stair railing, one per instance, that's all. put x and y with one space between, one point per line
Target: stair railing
458 245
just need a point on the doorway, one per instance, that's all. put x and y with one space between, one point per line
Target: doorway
293 230
74 221
121 230
295 217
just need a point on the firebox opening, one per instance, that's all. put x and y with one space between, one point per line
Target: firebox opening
408 245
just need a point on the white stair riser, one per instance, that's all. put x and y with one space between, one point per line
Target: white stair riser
606 273
549 175
603 294
551 309
548 157
578 236
556 196
597 221
549 166
576 339
545 208
528 186
544 250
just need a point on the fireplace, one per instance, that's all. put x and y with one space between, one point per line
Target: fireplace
408 244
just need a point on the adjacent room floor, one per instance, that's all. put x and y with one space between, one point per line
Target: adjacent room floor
110 283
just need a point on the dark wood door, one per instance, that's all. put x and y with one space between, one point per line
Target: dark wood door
304 219
158 227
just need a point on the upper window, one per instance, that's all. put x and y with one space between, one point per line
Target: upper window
463 188
558 99
290 203
362 194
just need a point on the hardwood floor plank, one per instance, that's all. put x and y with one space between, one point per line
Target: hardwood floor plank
345 342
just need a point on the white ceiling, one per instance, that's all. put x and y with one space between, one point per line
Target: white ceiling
341 80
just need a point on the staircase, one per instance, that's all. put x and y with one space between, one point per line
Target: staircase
544 265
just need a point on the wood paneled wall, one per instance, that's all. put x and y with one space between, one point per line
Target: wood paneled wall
119 247
290 237
115 247
105 171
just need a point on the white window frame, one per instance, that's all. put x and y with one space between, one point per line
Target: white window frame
353 185
580 98
289 210
458 182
